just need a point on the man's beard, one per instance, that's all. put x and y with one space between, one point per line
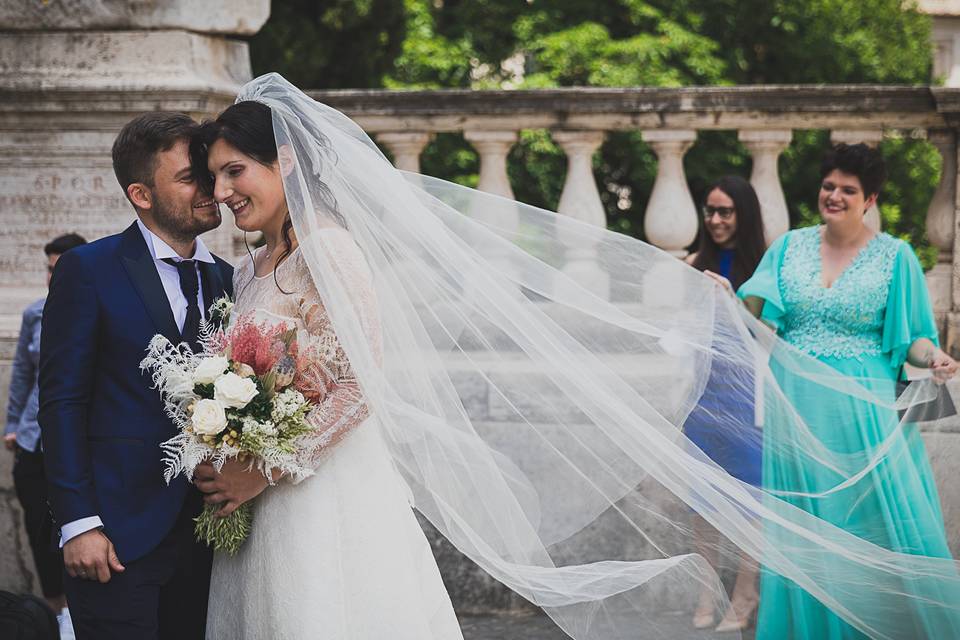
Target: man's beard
182 225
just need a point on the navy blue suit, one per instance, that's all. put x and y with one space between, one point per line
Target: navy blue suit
102 422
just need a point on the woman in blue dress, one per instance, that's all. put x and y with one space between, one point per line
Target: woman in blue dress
731 245
857 301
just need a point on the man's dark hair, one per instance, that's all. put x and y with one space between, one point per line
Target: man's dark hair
857 160
61 244
136 147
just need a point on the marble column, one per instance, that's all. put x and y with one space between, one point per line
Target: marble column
406 147
670 221
765 146
580 199
872 138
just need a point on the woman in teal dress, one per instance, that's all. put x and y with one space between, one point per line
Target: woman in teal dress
857 301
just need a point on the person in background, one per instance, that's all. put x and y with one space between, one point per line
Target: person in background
22 436
857 301
731 244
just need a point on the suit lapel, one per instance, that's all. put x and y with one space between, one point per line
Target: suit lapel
138 262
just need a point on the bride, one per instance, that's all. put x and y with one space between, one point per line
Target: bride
521 379
349 565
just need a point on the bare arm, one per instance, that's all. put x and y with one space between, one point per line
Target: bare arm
926 355
755 305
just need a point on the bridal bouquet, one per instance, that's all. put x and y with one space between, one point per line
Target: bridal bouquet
238 398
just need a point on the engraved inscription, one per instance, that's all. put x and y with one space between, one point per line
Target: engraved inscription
37 205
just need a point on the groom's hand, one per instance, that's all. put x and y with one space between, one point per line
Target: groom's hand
91 556
232 485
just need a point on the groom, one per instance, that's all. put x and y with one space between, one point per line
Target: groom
133 567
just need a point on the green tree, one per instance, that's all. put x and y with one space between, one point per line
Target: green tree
331 44
534 44
836 42
479 43
812 41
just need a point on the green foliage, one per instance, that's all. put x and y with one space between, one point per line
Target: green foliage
451 158
587 55
812 41
224 534
538 44
429 59
204 390
914 169
331 44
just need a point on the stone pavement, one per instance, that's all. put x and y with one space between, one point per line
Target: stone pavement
536 626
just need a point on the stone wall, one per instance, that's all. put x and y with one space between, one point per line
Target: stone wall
72 73
17 572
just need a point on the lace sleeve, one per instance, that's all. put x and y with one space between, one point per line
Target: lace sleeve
242 274
325 374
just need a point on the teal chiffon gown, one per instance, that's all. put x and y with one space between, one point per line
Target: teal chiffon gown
862 326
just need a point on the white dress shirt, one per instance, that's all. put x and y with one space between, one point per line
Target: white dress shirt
170 279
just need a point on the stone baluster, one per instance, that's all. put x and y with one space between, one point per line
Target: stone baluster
406 147
671 217
493 147
765 147
580 199
872 138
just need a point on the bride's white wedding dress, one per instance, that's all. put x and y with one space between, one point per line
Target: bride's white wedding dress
338 555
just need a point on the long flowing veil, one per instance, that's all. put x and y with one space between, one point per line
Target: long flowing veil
535 379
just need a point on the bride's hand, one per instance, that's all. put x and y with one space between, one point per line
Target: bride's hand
719 279
231 486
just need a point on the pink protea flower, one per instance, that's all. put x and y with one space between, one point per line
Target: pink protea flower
257 345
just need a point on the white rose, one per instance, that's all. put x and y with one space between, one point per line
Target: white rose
210 369
233 391
209 418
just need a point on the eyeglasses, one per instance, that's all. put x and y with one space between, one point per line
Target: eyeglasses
725 213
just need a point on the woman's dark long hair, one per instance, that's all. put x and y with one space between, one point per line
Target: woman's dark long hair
749 244
248 127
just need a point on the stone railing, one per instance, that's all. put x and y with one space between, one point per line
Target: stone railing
57 177
669 121
764 117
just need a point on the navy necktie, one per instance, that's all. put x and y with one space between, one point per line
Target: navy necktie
190 286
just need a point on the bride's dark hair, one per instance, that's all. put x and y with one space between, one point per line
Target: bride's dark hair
248 127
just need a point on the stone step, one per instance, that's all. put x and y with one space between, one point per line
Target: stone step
537 626
494 390
477 333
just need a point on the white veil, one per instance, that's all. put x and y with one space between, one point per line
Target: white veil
538 419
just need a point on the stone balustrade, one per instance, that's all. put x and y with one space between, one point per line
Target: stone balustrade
764 118
56 130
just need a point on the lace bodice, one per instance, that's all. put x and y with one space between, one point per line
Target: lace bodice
328 378
845 320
